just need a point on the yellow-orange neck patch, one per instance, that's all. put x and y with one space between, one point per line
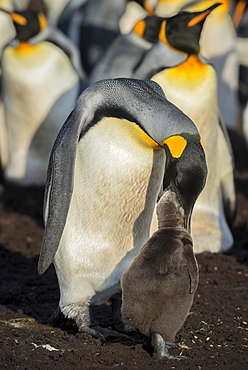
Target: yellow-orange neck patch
176 145
42 21
192 67
147 139
24 47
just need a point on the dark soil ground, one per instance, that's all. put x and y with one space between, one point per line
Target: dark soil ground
215 335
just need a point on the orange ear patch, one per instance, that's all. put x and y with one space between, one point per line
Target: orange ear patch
198 18
139 28
176 145
17 18
162 33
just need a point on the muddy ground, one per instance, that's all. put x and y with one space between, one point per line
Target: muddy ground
215 335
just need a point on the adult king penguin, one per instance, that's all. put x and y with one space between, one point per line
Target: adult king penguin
106 170
127 51
192 86
40 88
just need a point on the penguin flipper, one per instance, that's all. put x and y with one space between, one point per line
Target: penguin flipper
58 193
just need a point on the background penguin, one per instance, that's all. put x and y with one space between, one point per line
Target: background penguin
168 8
7 31
192 86
158 288
40 88
127 51
240 21
92 25
54 8
109 149
135 11
218 46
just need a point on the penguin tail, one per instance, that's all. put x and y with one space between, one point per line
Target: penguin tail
58 319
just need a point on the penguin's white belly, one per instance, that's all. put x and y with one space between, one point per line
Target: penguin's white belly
116 183
33 81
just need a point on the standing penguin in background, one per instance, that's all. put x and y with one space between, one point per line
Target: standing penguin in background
107 168
136 10
192 86
40 88
127 51
158 288
7 32
218 47
92 25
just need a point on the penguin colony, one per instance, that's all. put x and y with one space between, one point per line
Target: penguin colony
127 99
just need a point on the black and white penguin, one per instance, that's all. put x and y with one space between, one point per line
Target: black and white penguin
192 86
218 47
107 168
40 88
240 21
92 25
127 51
158 288
136 10
7 31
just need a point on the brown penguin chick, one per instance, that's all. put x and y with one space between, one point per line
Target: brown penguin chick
158 288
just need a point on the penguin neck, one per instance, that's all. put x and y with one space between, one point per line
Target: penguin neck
191 67
24 47
170 223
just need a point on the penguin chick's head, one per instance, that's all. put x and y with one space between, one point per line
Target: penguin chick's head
28 23
169 211
148 28
186 171
182 31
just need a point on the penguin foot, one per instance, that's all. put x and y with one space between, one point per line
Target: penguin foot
167 355
106 332
161 348
91 331
102 333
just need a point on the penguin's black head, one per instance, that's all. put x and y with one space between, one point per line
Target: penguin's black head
183 30
149 28
186 174
28 23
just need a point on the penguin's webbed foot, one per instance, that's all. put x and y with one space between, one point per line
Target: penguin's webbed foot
91 331
161 348
84 325
106 332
